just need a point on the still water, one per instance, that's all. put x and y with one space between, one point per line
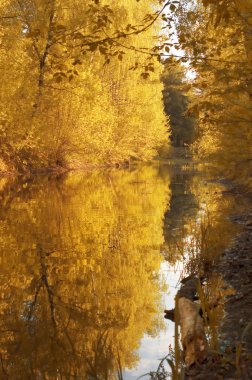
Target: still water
90 261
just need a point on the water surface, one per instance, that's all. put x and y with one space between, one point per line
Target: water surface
89 262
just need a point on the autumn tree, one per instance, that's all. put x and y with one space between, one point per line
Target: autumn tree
221 90
70 96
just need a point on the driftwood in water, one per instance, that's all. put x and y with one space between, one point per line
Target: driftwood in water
193 336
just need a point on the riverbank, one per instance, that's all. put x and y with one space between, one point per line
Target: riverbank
234 357
179 155
218 289
59 170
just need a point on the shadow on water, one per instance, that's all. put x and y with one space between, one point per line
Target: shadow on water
81 256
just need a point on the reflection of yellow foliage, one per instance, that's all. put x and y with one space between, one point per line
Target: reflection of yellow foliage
211 231
79 283
212 299
203 229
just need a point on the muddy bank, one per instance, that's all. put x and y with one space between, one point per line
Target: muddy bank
234 358
236 327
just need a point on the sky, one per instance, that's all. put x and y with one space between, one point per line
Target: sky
153 349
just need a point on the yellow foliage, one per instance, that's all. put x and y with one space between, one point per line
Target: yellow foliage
222 87
68 94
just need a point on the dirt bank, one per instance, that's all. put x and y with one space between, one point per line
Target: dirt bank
234 360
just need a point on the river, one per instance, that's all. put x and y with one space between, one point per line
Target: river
89 261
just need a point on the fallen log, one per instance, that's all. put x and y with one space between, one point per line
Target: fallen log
189 313
193 337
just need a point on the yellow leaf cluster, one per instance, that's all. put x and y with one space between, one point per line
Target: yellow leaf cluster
68 93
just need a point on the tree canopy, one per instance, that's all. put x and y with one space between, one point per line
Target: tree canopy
81 82
70 95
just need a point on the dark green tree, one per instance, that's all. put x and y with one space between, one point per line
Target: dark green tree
176 103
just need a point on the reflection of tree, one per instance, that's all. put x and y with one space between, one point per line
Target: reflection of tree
79 285
211 231
183 207
197 218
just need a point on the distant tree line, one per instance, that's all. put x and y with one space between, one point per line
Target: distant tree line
176 104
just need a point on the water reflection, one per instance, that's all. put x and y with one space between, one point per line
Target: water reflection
79 284
197 230
80 257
